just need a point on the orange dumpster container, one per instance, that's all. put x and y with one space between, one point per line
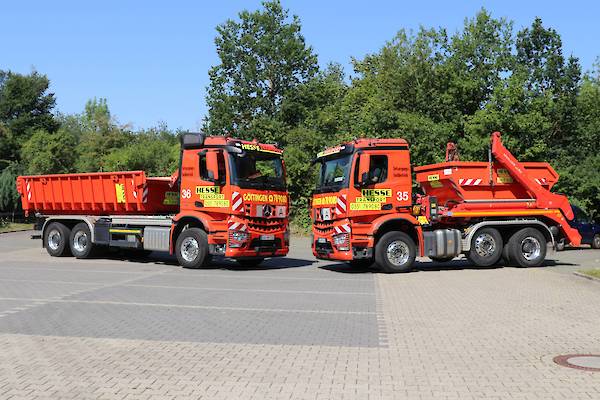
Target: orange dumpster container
458 181
100 193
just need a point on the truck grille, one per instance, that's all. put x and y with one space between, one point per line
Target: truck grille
323 227
265 225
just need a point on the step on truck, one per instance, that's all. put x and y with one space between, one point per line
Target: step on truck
228 198
501 210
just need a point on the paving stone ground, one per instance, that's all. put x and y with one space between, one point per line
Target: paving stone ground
122 328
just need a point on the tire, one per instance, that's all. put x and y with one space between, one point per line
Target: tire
56 239
441 259
486 247
250 262
527 247
80 241
395 252
191 248
506 260
596 242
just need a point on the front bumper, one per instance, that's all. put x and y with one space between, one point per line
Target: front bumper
257 245
324 248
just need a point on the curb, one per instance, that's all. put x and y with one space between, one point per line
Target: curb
591 278
17 230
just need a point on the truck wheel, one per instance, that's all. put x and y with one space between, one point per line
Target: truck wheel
527 247
56 239
250 262
596 242
395 252
191 248
506 256
486 247
80 241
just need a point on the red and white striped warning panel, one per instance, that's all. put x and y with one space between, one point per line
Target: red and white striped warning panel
237 226
134 190
236 202
28 191
341 205
342 228
145 194
541 181
469 182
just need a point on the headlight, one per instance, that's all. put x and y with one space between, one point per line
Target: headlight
342 241
237 238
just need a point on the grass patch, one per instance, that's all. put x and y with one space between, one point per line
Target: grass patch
15 226
591 272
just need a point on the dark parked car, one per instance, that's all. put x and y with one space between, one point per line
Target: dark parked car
588 229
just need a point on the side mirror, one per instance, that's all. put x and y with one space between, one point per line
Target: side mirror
212 166
364 162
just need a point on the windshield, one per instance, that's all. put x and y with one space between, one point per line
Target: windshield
334 173
260 170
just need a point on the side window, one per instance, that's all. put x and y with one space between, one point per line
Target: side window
378 168
203 170
220 165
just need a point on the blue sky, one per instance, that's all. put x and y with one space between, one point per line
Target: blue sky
150 59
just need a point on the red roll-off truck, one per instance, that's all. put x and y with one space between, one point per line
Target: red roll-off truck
228 198
364 209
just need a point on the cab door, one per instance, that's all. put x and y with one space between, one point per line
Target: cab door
382 182
203 178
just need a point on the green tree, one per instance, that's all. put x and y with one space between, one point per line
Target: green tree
263 56
25 106
98 134
9 197
155 151
50 153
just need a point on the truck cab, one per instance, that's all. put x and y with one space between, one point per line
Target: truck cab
363 190
237 191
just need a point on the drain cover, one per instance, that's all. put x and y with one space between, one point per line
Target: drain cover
586 362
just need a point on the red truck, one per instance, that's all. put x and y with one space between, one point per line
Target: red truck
364 209
228 198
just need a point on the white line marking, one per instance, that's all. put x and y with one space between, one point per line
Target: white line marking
199 307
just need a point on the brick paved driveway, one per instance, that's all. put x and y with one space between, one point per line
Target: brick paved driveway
298 329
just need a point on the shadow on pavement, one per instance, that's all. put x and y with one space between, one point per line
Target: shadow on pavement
146 257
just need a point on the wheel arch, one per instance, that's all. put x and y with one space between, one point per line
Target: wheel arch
70 221
506 228
192 221
410 226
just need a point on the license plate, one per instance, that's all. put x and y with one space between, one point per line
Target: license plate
322 240
267 237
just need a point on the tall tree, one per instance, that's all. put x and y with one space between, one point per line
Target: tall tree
25 106
263 55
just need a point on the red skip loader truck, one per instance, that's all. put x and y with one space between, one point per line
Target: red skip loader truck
227 198
364 209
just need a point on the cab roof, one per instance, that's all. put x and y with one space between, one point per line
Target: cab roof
364 144
199 140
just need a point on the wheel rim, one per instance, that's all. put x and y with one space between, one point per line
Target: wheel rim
54 239
597 241
485 245
398 252
80 241
531 248
189 249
